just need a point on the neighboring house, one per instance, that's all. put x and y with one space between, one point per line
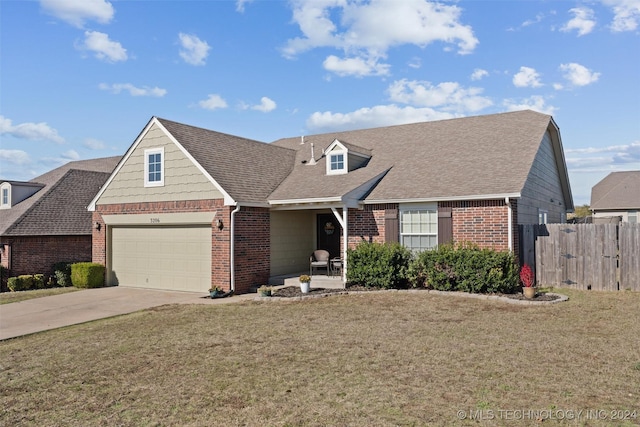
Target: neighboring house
187 208
616 198
45 220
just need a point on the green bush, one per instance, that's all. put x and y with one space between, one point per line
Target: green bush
62 273
38 281
465 268
87 275
23 282
378 265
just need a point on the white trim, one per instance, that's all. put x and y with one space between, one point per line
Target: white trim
228 200
160 219
150 152
509 223
345 162
443 199
5 187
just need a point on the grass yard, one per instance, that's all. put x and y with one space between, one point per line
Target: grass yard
359 360
9 297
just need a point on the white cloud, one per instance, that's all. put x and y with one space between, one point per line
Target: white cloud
626 14
604 159
579 75
367 30
479 74
70 155
240 5
133 90
358 67
194 51
93 144
527 77
415 63
379 115
539 17
535 103
103 48
31 131
266 105
15 157
77 12
448 96
213 102
582 21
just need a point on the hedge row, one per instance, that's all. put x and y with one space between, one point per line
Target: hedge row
80 275
465 268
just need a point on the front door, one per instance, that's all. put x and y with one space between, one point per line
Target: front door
328 234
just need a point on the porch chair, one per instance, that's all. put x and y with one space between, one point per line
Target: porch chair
319 259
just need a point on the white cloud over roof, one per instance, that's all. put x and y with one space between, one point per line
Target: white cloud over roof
527 77
31 131
213 102
193 50
583 21
365 31
578 75
77 12
133 90
448 96
626 14
103 47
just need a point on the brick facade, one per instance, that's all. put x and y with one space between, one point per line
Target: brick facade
37 254
252 238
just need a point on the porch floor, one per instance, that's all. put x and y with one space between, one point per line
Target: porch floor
317 280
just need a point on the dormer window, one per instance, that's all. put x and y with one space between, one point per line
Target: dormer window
5 198
337 162
343 158
154 167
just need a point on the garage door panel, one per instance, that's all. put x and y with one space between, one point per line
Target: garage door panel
175 258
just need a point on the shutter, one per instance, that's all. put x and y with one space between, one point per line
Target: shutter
391 229
445 225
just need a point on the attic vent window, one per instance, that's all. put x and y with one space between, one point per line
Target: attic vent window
5 197
154 167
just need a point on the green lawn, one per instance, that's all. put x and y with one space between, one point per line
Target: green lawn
9 297
357 360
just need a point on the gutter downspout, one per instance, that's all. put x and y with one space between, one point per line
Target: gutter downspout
509 222
233 247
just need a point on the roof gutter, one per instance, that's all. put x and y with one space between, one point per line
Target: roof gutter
445 198
233 247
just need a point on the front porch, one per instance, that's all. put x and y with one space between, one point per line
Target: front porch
317 280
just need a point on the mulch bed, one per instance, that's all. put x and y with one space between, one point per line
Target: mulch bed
294 291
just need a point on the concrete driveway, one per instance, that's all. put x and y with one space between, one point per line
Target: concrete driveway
41 314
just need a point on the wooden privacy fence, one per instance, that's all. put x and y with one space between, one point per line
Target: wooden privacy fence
583 256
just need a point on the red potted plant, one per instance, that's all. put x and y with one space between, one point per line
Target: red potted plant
528 281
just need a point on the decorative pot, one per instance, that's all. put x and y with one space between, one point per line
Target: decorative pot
265 293
214 293
304 287
529 292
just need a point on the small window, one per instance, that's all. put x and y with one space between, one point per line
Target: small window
5 196
337 162
154 167
543 216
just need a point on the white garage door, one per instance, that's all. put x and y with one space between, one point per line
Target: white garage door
172 258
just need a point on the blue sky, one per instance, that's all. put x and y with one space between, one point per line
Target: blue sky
79 79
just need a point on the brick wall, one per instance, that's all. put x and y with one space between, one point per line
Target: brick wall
37 254
252 248
252 238
483 222
367 224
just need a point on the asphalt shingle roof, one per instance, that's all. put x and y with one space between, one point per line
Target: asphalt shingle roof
248 170
618 190
471 156
60 206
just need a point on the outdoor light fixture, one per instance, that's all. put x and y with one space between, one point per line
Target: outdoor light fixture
219 224
97 226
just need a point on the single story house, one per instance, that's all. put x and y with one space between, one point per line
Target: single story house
187 208
45 220
616 198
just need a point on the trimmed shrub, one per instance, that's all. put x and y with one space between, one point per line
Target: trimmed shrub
13 284
378 265
87 275
23 282
465 268
38 281
62 273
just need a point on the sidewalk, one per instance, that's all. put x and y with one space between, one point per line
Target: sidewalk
41 314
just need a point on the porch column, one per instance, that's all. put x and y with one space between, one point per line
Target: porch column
345 238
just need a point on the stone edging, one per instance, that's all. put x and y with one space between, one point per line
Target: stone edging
507 300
